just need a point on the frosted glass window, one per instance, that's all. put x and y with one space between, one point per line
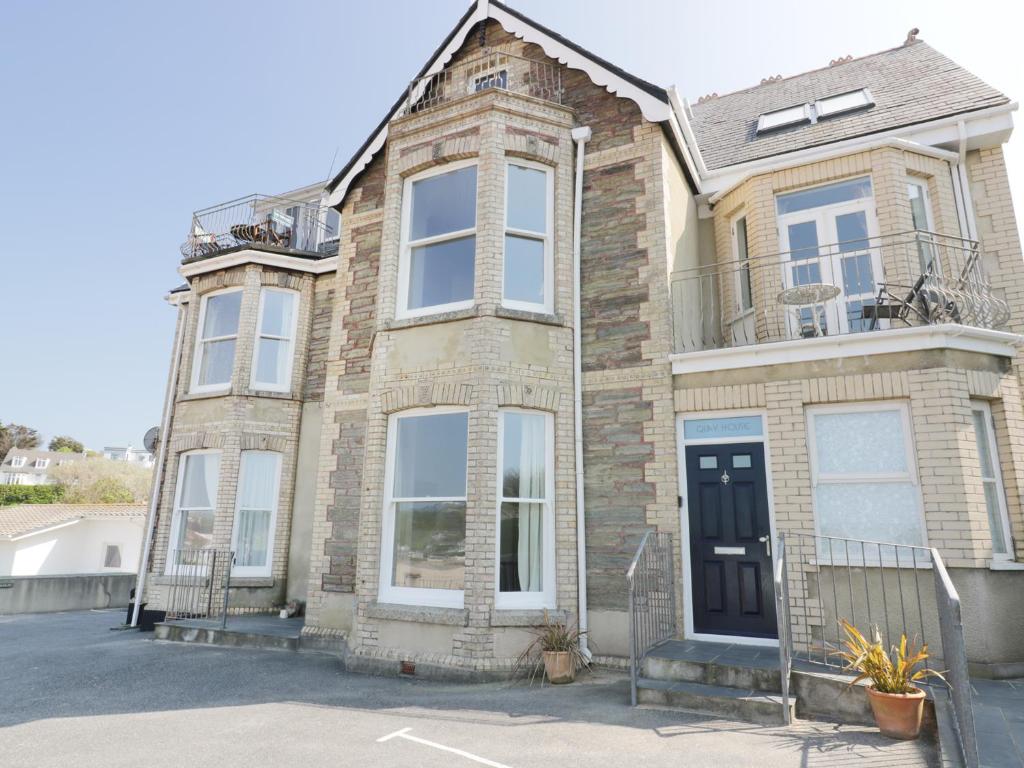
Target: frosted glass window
864 486
215 345
275 340
525 501
741 461
527 262
709 462
428 503
196 502
860 442
256 509
438 257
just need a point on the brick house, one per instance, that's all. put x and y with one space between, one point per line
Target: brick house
548 306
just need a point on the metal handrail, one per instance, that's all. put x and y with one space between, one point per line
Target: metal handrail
650 580
782 617
886 584
954 653
197 577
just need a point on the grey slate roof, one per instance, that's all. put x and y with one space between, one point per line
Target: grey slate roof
31 454
910 84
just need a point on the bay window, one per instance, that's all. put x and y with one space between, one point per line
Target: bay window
256 512
525 514
424 538
195 503
275 340
863 475
527 274
991 480
216 340
438 256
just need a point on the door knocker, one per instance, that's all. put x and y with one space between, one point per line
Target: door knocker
725 478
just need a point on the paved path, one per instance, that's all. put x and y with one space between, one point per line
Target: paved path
74 693
999 722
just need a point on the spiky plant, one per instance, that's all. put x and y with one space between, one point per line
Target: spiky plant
554 636
892 672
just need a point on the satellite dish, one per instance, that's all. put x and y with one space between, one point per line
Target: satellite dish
149 441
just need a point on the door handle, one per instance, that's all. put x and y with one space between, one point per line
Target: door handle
767 541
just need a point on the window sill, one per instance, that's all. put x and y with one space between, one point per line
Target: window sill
439 317
252 581
544 318
1005 565
520 617
205 395
452 617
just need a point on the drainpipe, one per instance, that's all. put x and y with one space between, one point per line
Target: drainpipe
965 187
581 136
158 472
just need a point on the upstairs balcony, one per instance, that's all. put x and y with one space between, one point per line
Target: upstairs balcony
492 70
859 286
262 222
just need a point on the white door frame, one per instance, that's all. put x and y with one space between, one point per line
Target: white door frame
684 512
830 259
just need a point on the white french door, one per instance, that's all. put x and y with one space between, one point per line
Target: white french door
834 245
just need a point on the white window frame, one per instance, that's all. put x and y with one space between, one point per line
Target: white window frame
545 598
805 117
172 541
910 476
41 463
267 568
822 109
197 353
402 310
547 306
18 461
387 593
997 479
922 184
740 310
286 385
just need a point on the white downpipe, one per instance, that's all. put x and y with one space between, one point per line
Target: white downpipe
965 185
581 136
158 472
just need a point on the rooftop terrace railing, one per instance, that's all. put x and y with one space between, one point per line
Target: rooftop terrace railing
871 284
494 69
258 220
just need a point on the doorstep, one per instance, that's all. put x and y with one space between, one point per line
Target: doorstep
250 631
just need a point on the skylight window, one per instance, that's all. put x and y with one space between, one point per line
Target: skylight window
844 102
782 117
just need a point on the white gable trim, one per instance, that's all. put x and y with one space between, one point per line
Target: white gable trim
650 107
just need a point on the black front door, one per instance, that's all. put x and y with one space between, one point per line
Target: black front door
733 592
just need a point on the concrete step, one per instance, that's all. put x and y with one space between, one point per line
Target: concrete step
750 674
734 703
182 633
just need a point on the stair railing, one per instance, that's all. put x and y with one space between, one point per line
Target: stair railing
650 579
784 627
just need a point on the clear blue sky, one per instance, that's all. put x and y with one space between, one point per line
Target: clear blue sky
120 118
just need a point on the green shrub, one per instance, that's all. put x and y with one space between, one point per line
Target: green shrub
30 494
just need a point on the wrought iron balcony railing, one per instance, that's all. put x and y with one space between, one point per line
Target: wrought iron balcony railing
259 221
494 69
907 279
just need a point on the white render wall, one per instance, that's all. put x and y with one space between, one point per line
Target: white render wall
74 548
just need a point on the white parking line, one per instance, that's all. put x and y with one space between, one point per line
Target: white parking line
404 734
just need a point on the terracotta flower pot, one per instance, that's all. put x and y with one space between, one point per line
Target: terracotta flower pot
898 714
559 667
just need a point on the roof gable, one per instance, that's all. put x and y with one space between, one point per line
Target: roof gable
652 100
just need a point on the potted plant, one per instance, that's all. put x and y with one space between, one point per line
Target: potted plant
556 650
896 702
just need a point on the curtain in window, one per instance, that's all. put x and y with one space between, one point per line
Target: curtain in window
531 485
255 503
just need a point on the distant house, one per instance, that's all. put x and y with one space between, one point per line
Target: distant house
131 455
59 539
30 466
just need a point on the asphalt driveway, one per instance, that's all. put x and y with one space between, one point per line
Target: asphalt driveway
75 693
